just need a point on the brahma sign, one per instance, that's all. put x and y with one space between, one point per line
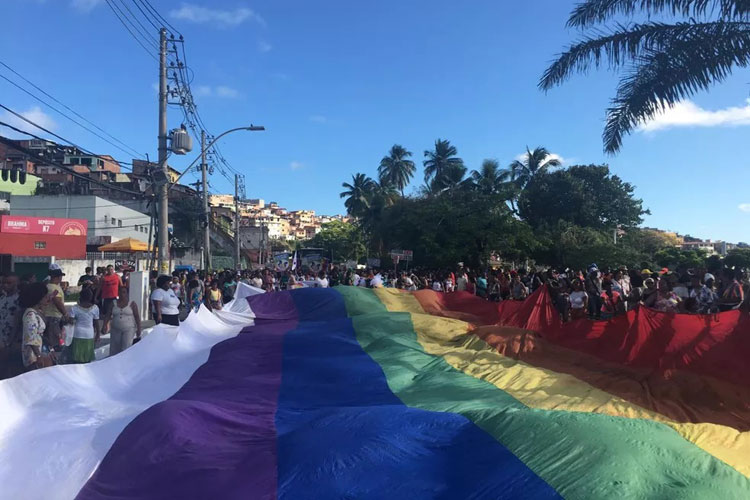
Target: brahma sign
43 237
14 224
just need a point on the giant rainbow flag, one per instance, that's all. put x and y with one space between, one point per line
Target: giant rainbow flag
352 393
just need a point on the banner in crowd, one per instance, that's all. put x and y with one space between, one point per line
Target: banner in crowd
312 261
353 392
282 261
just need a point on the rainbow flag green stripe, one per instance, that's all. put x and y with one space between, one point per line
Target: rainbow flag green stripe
579 454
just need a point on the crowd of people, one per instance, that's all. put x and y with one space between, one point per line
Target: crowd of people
37 330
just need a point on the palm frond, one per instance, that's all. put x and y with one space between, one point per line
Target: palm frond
591 12
660 79
622 45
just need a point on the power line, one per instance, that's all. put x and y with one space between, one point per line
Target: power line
143 28
63 114
148 18
112 8
163 21
86 152
132 150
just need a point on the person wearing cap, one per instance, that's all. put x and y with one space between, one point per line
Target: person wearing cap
649 292
707 298
54 310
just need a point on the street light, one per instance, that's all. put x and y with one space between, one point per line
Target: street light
163 229
251 128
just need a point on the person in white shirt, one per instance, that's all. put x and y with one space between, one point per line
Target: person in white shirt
165 304
85 329
437 286
376 281
321 281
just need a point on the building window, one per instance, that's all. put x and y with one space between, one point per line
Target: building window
40 245
119 223
106 219
114 221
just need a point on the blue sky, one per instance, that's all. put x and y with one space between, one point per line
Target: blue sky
337 83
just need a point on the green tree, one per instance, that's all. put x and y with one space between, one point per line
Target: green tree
534 162
699 44
358 194
587 196
396 168
441 160
453 226
564 244
490 178
673 257
739 258
342 240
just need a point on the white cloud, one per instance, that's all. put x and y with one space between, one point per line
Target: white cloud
553 156
227 92
220 91
85 5
36 115
202 90
264 46
745 207
218 17
689 114
296 165
318 119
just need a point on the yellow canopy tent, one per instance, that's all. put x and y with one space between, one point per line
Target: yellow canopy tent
125 245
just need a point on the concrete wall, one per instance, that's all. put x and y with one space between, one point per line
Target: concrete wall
99 213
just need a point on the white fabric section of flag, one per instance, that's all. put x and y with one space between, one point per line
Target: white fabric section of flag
56 424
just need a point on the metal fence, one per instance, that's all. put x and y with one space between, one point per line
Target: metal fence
115 256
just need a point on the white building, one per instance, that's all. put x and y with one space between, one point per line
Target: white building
108 221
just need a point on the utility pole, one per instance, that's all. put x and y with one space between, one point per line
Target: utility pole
236 221
206 213
163 189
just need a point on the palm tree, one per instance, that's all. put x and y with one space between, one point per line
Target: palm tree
666 61
451 179
396 169
490 179
533 162
440 160
358 194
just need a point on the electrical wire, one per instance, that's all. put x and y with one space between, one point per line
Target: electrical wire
63 114
146 16
163 21
67 168
132 150
70 143
143 28
140 42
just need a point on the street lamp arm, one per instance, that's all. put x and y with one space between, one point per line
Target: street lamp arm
251 128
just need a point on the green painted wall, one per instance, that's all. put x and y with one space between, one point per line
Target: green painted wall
26 189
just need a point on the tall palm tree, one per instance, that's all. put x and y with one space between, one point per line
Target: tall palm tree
533 162
396 168
699 45
490 179
358 194
440 160
453 178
